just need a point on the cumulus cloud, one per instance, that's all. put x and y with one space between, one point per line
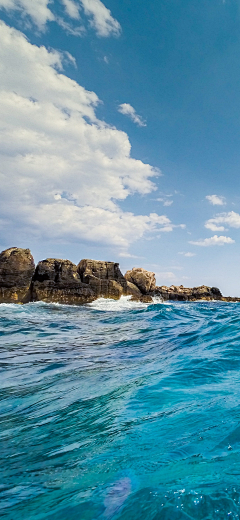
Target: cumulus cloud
62 170
188 254
41 12
231 219
213 241
215 200
128 110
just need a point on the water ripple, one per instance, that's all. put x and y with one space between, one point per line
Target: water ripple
120 410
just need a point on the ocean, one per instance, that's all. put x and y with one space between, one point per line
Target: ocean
120 410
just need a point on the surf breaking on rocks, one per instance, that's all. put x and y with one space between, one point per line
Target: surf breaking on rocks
61 281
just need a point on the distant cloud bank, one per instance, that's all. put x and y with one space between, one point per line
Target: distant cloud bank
213 241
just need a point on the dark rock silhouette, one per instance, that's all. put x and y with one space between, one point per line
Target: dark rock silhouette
58 281
16 271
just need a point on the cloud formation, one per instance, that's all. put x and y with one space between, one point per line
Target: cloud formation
40 12
231 219
62 170
215 200
100 18
72 9
128 110
213 241
188 254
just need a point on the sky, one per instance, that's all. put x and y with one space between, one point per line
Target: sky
120 135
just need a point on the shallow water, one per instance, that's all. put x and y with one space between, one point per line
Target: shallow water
119 410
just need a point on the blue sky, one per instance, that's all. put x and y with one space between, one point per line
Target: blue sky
120 134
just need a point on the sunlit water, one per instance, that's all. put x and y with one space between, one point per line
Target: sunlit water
119 410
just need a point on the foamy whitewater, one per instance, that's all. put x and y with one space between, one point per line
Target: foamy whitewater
120 410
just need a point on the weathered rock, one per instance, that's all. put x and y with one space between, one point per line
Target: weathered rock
16 271
104 278
58 281
144 280
133 290
181 293
146 298
230 299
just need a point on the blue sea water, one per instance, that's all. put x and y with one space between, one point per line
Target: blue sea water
120 411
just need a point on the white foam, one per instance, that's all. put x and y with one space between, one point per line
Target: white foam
125 303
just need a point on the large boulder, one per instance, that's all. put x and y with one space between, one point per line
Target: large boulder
58 281
16 271
144 280
104 278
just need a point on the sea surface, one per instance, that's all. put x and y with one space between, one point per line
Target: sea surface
120 411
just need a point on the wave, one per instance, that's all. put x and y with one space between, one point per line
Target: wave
108 414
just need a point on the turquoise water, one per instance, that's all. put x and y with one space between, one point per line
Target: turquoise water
120 410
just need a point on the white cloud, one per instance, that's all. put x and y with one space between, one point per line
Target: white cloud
101 18
72 9
38 12
231 219
41 12
188 254
213 227
215 200
62 170
125 254
128 110
165 277
213 241
78 30
168 202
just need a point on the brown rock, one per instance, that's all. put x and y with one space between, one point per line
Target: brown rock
144 280
58 281
144 298
104 278
180 293
16 271
133 290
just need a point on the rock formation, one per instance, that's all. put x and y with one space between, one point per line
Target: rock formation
105 279
61 281
181 293
16 271
58 281
144 280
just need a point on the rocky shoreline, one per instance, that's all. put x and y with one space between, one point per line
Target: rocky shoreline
60 281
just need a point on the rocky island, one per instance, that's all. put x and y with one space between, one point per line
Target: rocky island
61 281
